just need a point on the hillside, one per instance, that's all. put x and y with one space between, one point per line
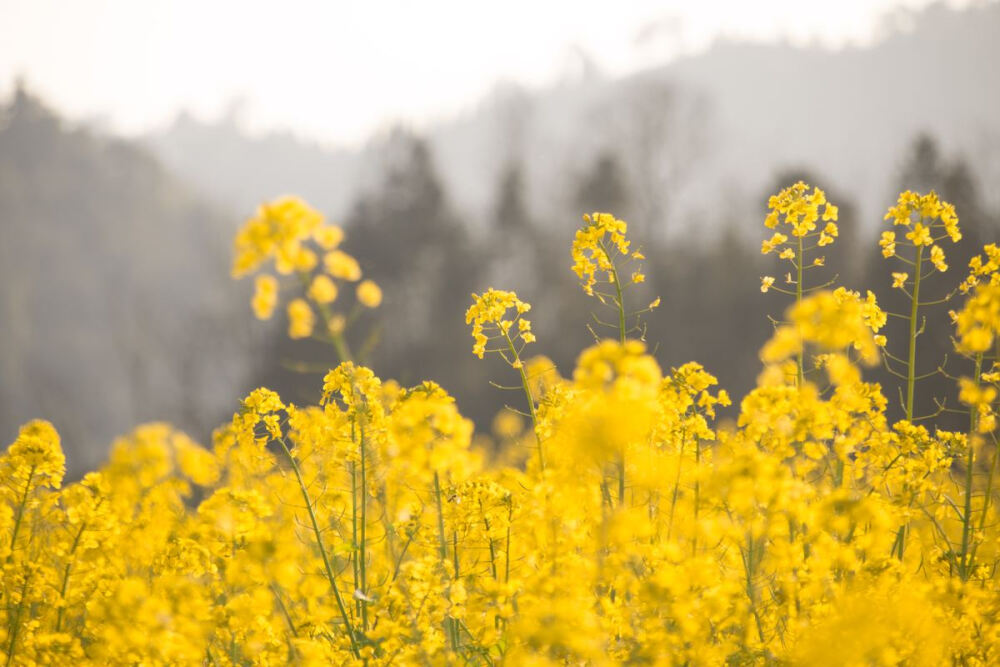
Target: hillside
112 271
699 137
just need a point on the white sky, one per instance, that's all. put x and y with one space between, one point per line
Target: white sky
337 70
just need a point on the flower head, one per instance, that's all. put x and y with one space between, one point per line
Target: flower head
800 210
37 454
369 294
301 319
265 296
489 311
593 247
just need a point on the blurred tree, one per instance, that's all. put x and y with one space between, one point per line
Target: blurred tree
511 213
412 243
663 132
711 308
116 306
604 187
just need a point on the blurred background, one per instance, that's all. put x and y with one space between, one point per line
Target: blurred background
458 144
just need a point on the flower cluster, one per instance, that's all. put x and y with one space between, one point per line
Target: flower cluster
596 248
798 212
378 528
296 237
488 314
983 267
927 221
978 323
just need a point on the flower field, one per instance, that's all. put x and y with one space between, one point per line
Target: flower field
616 518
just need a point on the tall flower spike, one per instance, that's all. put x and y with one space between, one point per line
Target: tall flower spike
489 311
601 235
37 453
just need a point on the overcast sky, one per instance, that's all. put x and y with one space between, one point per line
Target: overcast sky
338 70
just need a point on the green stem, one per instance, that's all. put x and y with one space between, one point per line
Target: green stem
442 541
450 625
749 566
20 512
987 496
284 610
619 300
364 531
965 564
322 550
912 357
677 487
354 532
697 493
15 627
911 369
621 480
65 580
506 557
799 262
527 394
493 552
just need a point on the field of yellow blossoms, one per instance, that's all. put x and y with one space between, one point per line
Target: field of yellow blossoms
616 522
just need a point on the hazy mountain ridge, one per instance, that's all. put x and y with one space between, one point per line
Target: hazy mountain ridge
850 115
846 114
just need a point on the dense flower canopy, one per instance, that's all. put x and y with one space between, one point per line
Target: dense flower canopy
617 517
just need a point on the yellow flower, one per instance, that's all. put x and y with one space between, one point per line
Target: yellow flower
978 323
301 319
937 258
950 221
276 231
766 282
796 207
899 279
328 237
265 296
833 321
337 324
931 213
920 235
985 266
304 260
602 234
369 294
888 244
507 424
900 214
770 244
489 311
341 265
322 289
36 456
